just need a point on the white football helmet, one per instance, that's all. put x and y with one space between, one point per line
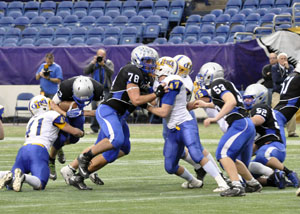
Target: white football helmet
257 92
144 58
184 65
166 66
208 73
83 91
39 104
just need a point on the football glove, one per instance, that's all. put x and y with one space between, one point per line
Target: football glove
160 91
76 112
1 111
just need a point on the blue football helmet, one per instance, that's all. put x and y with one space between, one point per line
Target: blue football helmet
208 73
83 91
256 94
144 58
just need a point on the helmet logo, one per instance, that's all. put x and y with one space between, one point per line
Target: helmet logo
39 103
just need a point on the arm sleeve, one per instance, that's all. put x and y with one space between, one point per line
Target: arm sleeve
169 98
88 69
60 122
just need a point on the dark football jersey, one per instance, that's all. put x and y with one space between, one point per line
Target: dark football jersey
118 97
222 86
65 90
289 96
269 131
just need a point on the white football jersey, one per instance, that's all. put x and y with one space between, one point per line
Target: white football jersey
189 85
42 129
179 112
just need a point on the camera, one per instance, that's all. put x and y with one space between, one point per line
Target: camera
46 70
99 59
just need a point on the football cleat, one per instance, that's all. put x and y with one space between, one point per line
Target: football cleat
293 177
200 173
78 182
6 179
221 189
280 181
18 181
234 191
195 183
52 175
298 192
253 188
61 156
67 173
95 179
83 164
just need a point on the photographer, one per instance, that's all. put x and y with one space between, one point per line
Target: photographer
50 75
101 70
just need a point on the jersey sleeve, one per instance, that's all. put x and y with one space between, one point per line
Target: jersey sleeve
59 122
219 88
174 89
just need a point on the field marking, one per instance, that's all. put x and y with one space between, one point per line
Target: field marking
143 140
132 200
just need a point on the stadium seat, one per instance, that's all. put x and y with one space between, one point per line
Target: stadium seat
261 11
246 11
31 15
160 41
78 32
190 40
81 6
192 31
204 39
164 15
9 42
71 21
38 22
42 41
146 5
2 34
113 5
161 5
222 30
47 15
295 1
286 10
152 27
262 31
95 32
112 13
32 6
130 5
207 30
219 39
194 19
235 4
177 31
138 23
110 41
93 42
231 12
282 3
253 18
223 19
21 22
120 21
236 28
46 32
55 22
267 19
129 13
209 19
128 36
176 10
175 40
26 42
277 11
48 6
96 13
65 6
15 14
216 12
3 7
250 28
103 21
80 14
29 33
266 3
15 6
76 42
97 5
112 32
22 104
237 19
63 13
63 32
145 13
60 42
13 33
251 4
87 21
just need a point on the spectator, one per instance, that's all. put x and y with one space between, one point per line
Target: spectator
1 125
50 75
279 72
267 76
101 70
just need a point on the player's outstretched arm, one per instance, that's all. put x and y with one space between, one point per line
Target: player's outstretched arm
72 130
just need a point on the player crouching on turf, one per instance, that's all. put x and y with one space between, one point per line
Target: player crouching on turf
269 148
41 132
182 130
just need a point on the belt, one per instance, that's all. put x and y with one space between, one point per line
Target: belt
38 144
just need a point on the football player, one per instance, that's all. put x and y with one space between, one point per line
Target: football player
73 95
182 128
269 148
131 82
237 140
41 132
